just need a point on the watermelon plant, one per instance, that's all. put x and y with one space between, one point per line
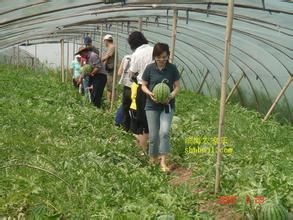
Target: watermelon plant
63 159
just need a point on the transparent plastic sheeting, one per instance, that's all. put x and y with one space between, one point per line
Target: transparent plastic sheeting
262 39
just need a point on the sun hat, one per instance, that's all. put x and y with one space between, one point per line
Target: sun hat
81 49
108 37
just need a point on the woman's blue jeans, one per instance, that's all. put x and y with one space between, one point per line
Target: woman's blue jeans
159 124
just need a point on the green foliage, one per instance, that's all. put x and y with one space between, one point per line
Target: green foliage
61 158
261 163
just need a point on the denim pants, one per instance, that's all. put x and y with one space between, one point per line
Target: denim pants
85 84
159 124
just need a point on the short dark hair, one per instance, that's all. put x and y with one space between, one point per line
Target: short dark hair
134 77
136 39
160 48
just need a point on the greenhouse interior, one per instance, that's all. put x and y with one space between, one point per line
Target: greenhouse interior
89 124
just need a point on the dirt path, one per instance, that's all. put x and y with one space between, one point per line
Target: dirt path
181 175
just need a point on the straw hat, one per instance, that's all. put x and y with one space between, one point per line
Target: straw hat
81 49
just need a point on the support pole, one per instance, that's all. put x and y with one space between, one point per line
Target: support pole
62 60
101 43
139 24
230 14
73 48
174 31
67 69
14 56
36 51
278 98
17 56
234 88
202 83
115 69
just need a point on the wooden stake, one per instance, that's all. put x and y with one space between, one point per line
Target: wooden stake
174 31
67 69
115 69
101 43
17 56
278 98
62 60
139 24
202 83
235 87
230 14
73 48
35 63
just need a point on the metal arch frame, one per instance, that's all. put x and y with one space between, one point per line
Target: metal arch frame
124 9
264 68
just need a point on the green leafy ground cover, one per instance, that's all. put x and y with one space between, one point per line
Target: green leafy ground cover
61 157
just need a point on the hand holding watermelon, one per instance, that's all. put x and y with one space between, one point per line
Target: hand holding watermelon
86 69
152 96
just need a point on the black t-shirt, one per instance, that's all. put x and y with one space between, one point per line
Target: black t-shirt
153 76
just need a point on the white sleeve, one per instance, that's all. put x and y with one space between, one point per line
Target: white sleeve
123 63
133 65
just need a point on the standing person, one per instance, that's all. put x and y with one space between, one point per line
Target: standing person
108 59
87 39
142 56
125 80
75 71
98 76
159 115
88 43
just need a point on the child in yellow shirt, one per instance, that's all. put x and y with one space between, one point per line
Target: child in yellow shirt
132 111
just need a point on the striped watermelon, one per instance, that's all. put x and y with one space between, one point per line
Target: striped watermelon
166 217
161 91
273 211
86 69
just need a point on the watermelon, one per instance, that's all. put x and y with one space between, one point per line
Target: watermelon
161 91
86 69
166 217
273 211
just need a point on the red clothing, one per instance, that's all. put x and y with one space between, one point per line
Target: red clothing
83 61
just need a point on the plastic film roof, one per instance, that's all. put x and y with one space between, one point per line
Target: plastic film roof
261 48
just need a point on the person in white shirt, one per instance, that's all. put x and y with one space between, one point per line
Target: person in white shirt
125 80
142 56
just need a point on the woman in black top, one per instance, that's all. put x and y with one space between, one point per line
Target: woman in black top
159 116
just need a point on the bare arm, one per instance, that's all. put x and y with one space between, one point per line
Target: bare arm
120 70
108 54
176 89
105 58
94 72
145 89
